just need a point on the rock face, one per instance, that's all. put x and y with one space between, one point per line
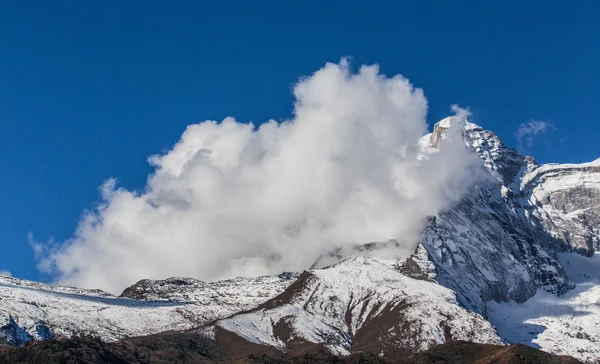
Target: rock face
490 256
232 294
566 197
501 241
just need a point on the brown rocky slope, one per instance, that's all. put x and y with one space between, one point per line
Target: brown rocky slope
189 347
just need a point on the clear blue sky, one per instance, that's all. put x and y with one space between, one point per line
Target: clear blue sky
90 89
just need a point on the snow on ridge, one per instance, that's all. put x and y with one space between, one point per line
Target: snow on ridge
336 303
17 282
28 308
450 120
569 174
594 163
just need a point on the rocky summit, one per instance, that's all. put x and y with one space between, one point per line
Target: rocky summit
515 262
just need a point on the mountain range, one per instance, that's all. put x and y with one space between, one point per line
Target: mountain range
514 261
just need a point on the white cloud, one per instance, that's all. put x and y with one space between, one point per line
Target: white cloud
527 132
233 199
460 112
5 273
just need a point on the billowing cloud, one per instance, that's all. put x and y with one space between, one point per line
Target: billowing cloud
235 199
528 131
5 273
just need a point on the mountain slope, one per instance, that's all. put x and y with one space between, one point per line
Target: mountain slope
361 304
569 324
174 347
29 310
505 240
490 246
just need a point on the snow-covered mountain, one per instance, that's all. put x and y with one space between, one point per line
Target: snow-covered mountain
361 304
31 310
513 261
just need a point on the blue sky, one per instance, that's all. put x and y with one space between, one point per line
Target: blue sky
88 90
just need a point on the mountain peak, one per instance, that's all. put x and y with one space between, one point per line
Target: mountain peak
440 129
504 163
452 120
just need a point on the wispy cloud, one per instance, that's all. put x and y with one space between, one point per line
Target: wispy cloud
529 131
463 113
5 273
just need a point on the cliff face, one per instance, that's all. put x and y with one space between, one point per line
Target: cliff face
501 241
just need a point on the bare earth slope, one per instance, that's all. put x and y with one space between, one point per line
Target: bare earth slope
191 348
